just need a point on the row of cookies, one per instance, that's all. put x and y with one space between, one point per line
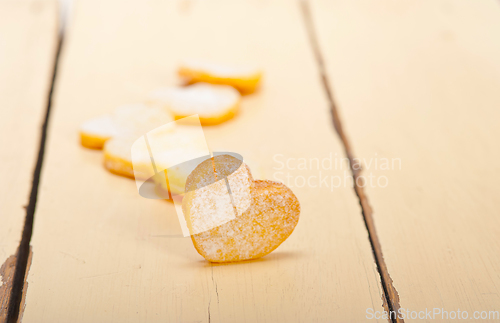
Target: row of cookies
213 93
222 226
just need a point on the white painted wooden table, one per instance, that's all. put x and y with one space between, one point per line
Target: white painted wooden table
413 90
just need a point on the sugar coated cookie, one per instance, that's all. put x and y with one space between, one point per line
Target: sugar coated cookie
117 156
125 120
244 78
212 103
95 132
169 147
175 177
250 228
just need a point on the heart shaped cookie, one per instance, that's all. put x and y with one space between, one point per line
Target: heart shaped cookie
169 143
125 120
244 78
263 213
213 104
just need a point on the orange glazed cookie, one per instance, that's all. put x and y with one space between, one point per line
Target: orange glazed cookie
245 79
250 230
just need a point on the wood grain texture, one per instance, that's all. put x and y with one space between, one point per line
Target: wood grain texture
418 81
28 36
101 253
7 271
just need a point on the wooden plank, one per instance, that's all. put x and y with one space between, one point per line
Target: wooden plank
28 36
103 253
417 82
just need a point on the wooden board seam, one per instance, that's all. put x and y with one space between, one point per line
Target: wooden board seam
391 296
24 252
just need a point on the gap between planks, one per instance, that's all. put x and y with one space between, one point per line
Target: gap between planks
24 252
391 296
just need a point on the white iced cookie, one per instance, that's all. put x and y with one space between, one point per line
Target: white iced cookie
244 78
175 177
95 132
126 120
212 103
117 156
170 149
